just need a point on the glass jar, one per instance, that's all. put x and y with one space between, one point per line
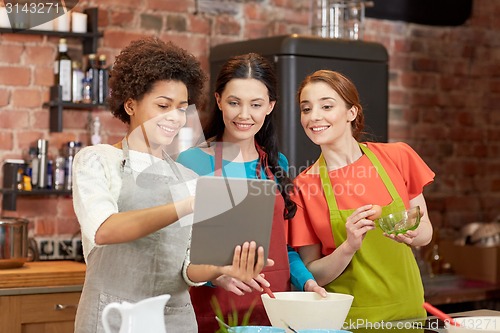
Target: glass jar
338 18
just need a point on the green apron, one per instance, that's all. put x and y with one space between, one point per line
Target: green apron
383 275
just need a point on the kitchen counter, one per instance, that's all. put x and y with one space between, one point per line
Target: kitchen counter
68 276
43 277
435 325
451 289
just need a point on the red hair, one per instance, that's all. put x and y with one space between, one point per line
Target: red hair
346 89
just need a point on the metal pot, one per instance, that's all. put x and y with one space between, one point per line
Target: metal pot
13 242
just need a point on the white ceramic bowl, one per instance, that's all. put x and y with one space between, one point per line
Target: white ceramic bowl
302 310
475 325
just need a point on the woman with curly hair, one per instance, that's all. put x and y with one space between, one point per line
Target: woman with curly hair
130 198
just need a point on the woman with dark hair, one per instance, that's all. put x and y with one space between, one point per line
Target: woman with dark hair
245 95
130 197
333 230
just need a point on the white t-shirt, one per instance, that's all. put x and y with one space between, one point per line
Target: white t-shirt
97 182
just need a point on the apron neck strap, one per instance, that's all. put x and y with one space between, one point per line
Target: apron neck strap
327 185
125 164
381 171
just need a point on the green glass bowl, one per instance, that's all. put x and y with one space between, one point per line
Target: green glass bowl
400 222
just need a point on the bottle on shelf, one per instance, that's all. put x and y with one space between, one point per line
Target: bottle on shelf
42 163
59 173
50 174
103 80
19 179
72 147
87 90
95 131
62 71
32 166
77 82
27 183
92 74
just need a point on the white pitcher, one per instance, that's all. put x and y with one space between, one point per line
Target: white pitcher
144 316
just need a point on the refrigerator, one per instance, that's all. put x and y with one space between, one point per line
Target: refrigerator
296 56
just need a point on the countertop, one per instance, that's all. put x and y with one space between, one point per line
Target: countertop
68 276
430 324
451 289
42 277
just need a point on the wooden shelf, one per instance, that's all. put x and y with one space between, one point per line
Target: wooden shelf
10 195
56 108
89 38
67 34
89 45
69 105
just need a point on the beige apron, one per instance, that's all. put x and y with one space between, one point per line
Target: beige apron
383 275
146 267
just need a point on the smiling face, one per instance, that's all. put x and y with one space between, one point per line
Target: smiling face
157 117
324 115
244 104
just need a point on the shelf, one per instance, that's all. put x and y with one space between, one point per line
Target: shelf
89 45
10 195
69 105
56 108
89 38
67 34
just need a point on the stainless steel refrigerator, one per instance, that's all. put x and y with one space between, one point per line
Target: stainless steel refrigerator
296 56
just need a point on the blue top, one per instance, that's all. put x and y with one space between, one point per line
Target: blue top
204 165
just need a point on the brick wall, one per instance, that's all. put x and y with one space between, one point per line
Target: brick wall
444 91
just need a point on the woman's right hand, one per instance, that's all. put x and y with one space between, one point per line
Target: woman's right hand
357 225
238 287
244 267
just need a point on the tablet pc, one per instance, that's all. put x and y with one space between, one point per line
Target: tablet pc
228 212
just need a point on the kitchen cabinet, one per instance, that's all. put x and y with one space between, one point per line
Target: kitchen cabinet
40 313
40 297
89 45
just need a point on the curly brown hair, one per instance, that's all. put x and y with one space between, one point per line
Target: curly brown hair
144 62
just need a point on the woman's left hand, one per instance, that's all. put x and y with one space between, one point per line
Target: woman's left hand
312 285
406 238
245 267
